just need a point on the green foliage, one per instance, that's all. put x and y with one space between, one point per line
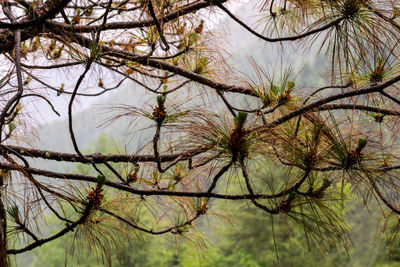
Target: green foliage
275 90
100 180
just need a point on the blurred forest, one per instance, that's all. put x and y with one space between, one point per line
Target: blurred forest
250 239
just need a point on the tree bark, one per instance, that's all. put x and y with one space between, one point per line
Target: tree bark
3 230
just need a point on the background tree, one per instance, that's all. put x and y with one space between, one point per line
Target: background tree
207 127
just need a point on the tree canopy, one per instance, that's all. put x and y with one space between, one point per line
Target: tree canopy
204 130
